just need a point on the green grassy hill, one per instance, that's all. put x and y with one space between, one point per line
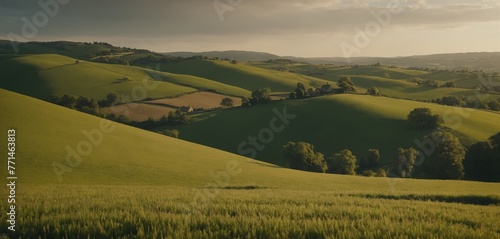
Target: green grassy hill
392 82
79 50
43 75
243 75
333 123
132 156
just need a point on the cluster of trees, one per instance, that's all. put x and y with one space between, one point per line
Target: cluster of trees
281 61
344 84
92 106
82 103
173 118
444 162
422 118
300 92
111 60
482 161
373 91
302 156
260 96
449 159
469 102
427 82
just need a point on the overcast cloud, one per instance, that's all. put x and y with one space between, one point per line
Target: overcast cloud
264 25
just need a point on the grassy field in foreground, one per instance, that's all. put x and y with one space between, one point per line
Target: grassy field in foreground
331 124
166 212
137 184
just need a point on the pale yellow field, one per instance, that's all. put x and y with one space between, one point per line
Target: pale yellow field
205 100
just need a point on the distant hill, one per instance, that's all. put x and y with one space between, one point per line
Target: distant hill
242 75
488 61
42 75
233 55
80 50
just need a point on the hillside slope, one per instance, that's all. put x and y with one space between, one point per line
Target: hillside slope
331 123
43 75
243 75
129 156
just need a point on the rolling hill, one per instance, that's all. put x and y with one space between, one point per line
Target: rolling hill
130 156
332 123
45 74
242 75
233 55
392 82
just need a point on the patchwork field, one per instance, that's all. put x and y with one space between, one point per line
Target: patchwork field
139 111
205 100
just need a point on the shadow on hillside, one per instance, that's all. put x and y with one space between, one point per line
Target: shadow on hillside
463 199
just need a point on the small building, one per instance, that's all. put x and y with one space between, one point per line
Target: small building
186 109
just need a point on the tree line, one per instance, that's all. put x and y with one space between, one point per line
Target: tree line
92 106
449 159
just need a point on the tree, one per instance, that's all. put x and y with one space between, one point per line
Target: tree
482 161
245 102
450 84
53 99
373 91
381 173
113 98
343 162
405 159
171 133
292 95
177 117
373 157
311 92
261 96
302 156
68 101
82 101
494 105
300 85
227 102
346 85
300 91
234 62
447 160
422 118
451 101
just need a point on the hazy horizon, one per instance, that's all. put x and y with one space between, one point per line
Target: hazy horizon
314 28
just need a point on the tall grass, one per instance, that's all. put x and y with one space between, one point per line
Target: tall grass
166 212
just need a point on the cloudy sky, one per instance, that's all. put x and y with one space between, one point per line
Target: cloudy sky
285 27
